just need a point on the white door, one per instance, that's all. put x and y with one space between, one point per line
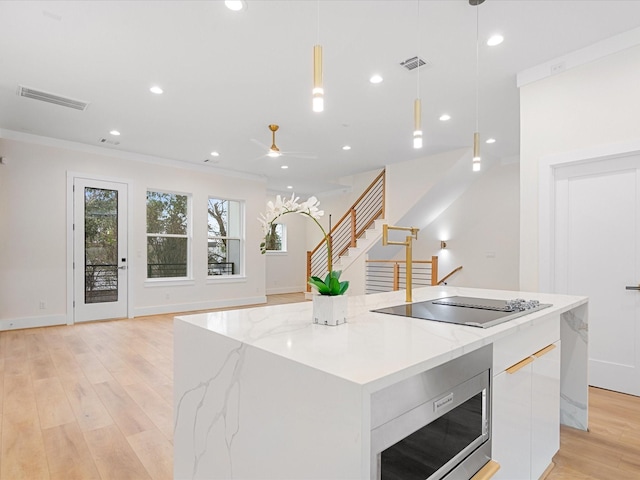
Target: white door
597 253
100 250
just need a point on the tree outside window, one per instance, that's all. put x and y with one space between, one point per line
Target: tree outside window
225 237
168 239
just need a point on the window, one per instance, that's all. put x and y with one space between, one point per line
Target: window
276 239
168 240
225 237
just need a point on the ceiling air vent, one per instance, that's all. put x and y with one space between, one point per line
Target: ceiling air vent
413 63
51 98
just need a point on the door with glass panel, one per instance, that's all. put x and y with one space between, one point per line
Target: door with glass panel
100 250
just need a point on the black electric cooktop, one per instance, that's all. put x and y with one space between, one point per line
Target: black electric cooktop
474 312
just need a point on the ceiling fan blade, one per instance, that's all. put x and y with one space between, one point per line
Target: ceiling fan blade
260 144
310 156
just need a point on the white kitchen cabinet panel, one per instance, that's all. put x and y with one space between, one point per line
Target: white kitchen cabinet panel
545 413
511 410
526 415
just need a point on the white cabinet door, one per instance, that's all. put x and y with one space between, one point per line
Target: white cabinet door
511 425
545 394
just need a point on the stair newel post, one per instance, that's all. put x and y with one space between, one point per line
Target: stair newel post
309 255
330 250
434 270
353 228
396 277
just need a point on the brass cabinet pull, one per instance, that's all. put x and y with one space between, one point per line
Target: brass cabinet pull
544 351
488 471
519 365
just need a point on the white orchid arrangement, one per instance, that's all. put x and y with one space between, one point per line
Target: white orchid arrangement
331 285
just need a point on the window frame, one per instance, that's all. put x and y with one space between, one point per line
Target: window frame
240 237
283 236
188 235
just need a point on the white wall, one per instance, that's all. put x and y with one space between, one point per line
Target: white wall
589 106
34 233
286 271
481 225
481 230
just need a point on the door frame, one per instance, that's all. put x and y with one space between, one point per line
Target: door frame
71 177
547 169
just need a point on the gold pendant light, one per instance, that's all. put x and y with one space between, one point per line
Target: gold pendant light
417 123
476 162
417 104
318 89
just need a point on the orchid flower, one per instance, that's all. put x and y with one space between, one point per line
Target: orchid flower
311 210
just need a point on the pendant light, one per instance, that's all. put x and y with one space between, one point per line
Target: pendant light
476 135
318 90
417 104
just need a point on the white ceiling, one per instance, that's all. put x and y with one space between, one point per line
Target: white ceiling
227 75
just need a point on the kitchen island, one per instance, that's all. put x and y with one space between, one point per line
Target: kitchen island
264 393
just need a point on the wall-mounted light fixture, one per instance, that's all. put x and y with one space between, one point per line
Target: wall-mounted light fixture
443 244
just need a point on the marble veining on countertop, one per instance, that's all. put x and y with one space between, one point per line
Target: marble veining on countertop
371 349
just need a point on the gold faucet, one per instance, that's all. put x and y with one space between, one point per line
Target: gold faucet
408 256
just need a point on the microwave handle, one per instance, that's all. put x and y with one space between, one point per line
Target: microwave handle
488 471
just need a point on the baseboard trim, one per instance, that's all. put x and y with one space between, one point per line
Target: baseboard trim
281 290
547 471
32 322
190 307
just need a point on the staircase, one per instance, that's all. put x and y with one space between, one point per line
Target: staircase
354 234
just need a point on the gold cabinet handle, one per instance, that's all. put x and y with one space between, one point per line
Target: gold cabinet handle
544 351
521 364
488 471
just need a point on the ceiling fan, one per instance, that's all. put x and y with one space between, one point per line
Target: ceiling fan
273 151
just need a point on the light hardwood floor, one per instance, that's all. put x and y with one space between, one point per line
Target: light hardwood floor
95 401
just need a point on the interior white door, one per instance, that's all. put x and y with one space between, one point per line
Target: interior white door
100 250
597 213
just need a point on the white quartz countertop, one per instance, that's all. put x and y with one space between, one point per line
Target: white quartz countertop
371 349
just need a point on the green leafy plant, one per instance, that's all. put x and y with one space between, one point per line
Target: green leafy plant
331 285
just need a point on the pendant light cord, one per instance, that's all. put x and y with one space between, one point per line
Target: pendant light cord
477 62
418 52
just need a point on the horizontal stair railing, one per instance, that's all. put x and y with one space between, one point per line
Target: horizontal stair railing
390 275
344 234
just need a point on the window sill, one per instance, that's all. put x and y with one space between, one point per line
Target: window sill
168 282
226 279
276 252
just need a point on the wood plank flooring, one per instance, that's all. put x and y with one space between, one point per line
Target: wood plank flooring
95 401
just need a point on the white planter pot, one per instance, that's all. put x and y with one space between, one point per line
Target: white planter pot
329 310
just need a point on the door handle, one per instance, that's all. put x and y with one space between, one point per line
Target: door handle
632 287
123 267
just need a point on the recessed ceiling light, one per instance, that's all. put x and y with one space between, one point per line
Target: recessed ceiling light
284 167
156 89
375 78
491 140
445 117
235 5
346 147
114 132
215 154
494 40
289 187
